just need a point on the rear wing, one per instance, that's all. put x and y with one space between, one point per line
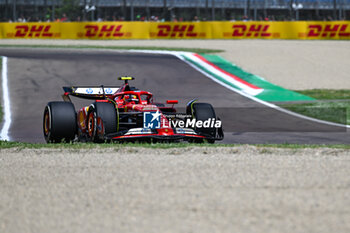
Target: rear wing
89 92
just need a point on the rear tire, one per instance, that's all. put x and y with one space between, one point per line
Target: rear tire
59 122
107 112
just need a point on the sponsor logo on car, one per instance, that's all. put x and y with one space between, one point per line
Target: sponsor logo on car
108 91
180 130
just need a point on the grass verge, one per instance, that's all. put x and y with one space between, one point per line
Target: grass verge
335 109
338 112
326 94
193 50
22 145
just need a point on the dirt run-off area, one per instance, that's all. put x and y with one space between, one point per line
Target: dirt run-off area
191 189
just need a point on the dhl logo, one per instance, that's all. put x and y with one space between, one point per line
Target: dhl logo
328 30
34 31
176 30
254 30
301 30
104 31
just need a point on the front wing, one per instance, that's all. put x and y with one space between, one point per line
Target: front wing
176 134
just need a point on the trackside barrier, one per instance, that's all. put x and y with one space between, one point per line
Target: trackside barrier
334 30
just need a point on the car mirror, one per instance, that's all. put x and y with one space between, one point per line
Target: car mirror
172 101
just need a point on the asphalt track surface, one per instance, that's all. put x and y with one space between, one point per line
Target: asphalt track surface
37 75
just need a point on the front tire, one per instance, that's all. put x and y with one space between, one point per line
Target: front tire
108 115
203 112
59 122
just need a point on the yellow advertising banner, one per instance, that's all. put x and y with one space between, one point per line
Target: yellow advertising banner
178 30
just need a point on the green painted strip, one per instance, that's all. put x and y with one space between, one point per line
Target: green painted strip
211 73
271 92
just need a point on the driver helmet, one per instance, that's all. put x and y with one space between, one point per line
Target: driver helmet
134 98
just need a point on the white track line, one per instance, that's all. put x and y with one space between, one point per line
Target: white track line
179 55
244 87
6 100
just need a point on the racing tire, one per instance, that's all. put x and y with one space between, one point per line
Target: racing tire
59 122
203 112
108 115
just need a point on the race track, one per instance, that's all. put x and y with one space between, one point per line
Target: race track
37 75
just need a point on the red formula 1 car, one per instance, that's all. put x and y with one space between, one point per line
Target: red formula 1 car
126 113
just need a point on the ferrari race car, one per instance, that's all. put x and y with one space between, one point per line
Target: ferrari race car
128 114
